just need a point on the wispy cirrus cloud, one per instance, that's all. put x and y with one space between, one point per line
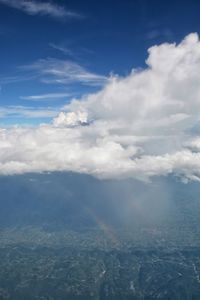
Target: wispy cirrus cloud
56 71
42 8
19 111
18 76
62 49
46 97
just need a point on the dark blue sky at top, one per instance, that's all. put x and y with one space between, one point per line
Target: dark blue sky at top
110 37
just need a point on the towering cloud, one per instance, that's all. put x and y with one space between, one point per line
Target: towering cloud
140 126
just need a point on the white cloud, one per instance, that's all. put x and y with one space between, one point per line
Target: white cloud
71 119
41 8
138 126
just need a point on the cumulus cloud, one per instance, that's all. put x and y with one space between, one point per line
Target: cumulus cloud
71 119
138 126
41 8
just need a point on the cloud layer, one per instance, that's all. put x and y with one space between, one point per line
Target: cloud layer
140 126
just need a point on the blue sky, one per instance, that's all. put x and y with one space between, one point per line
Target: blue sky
51 54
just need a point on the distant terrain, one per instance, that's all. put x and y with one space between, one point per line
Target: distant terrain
112 240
